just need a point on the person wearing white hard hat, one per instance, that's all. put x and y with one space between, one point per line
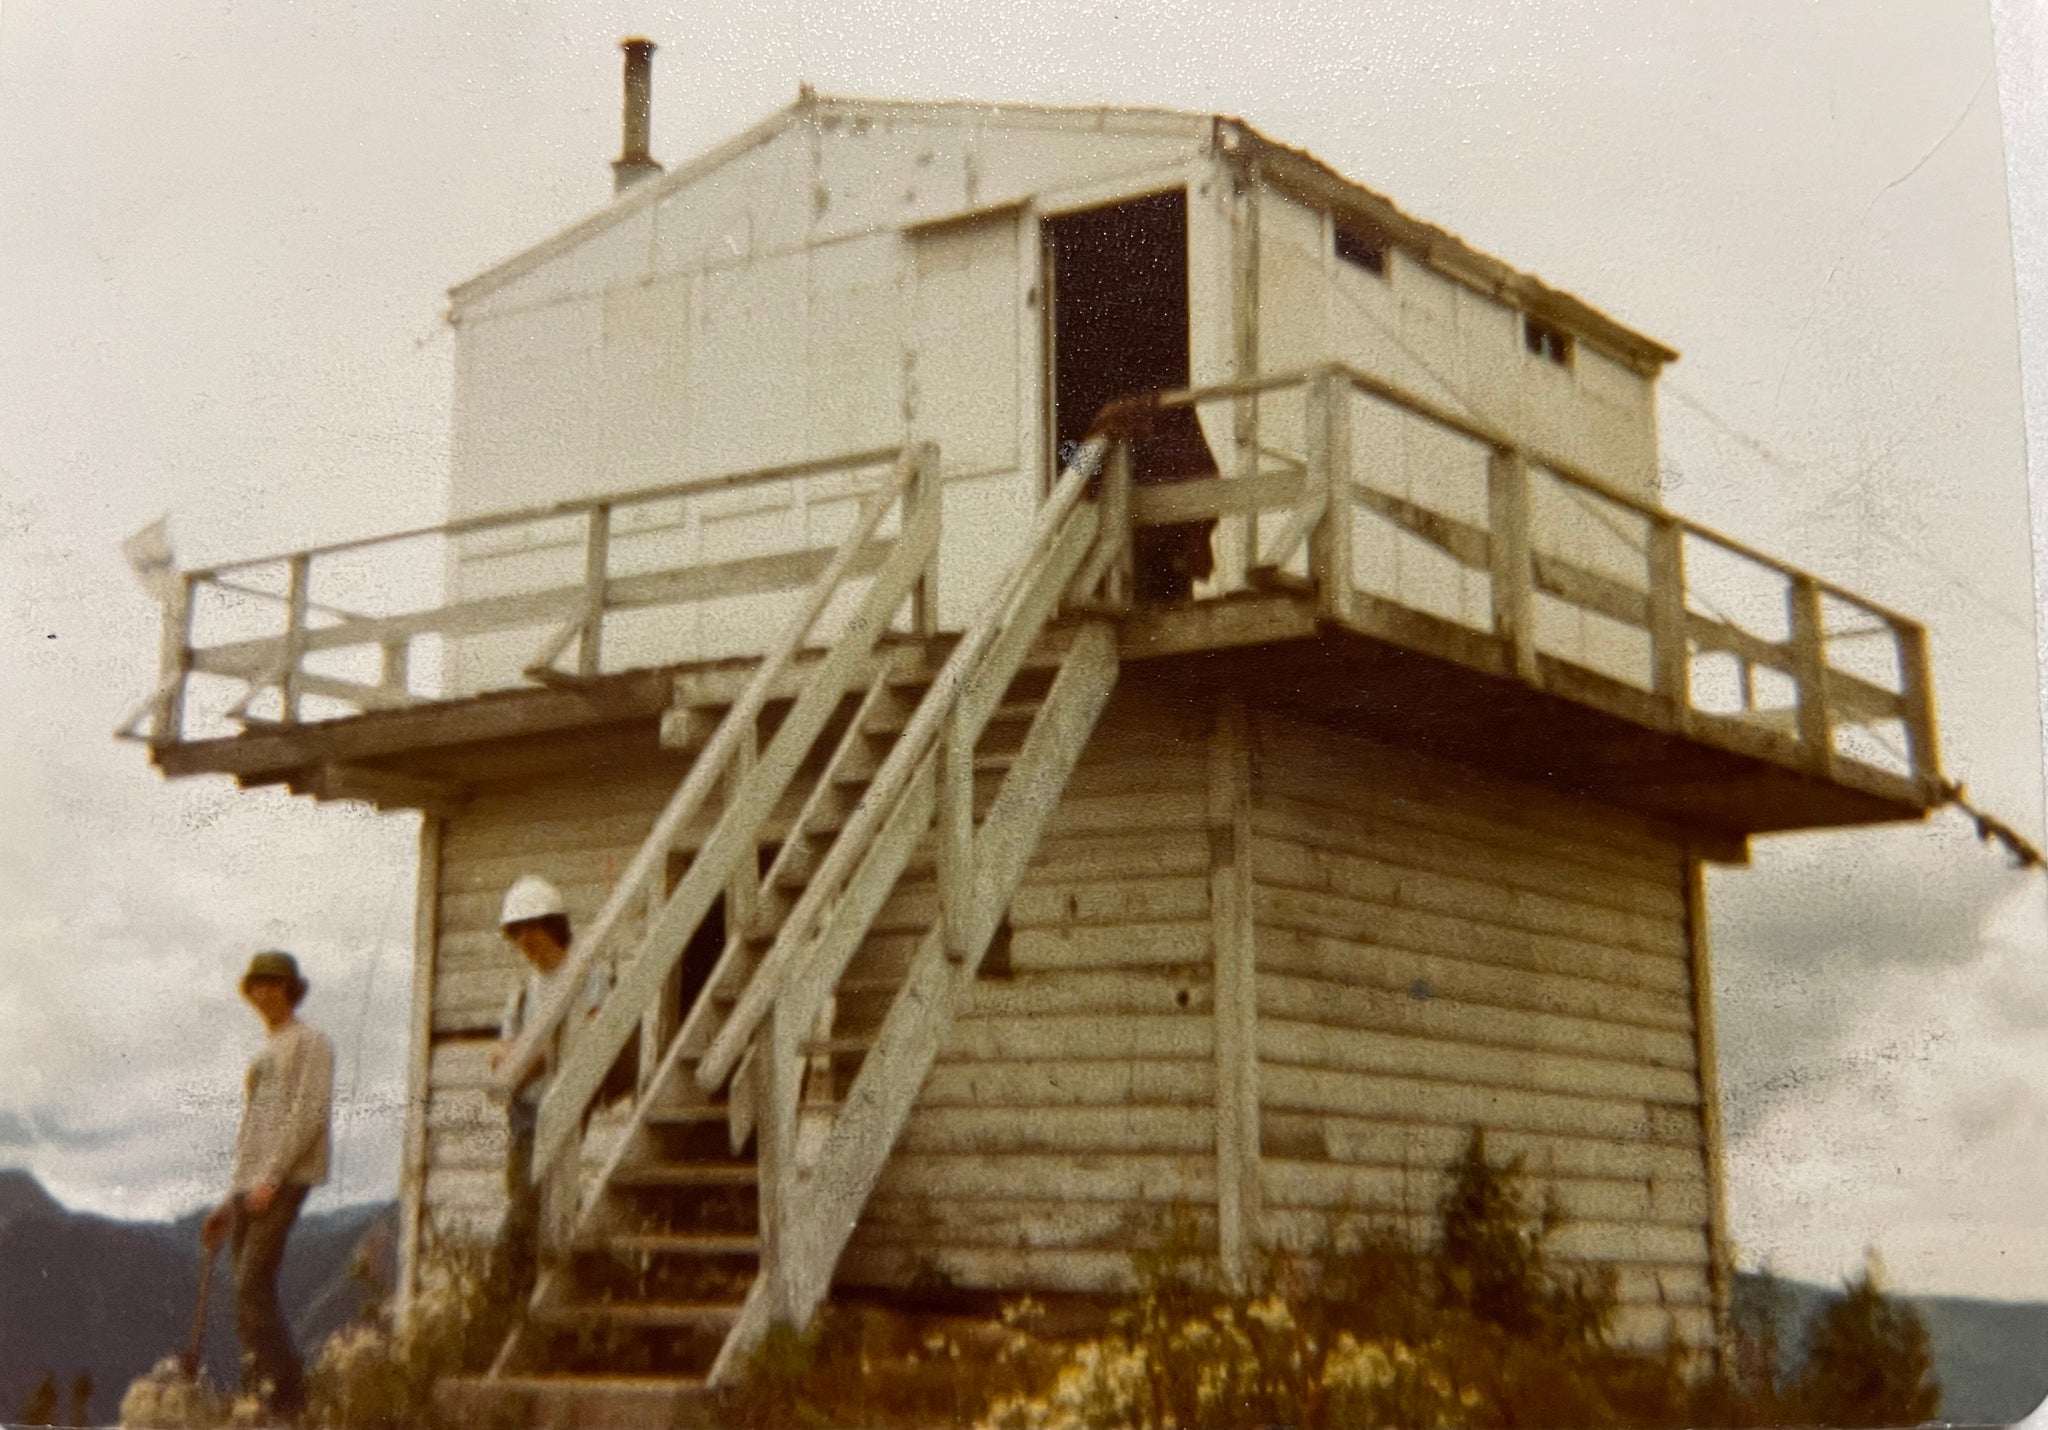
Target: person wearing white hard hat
534 920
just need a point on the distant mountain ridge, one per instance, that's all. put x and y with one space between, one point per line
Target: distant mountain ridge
1991 1356
84 1292
80 1292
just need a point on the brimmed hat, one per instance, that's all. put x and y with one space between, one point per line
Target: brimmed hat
273 963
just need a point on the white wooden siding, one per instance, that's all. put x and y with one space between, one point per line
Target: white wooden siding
1437 952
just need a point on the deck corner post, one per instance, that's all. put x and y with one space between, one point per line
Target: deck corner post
1233 948
1330 477
167 725
297 597
596 558
1720 1251
1916 708
1810 671
1670 658
1513 566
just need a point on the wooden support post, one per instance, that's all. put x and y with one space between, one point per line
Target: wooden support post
1916 707
924 489
174 663
1810 670
426 941
1720 1253
295 633
778 1082
396 676
743 890
1234 943
955 831
1514 596
596 558
1116 525
1670 654
1329 453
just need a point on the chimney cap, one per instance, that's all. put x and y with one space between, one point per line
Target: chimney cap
634 162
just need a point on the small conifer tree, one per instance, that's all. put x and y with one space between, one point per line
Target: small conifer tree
1868 1360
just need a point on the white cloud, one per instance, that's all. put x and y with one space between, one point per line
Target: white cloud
1928 1134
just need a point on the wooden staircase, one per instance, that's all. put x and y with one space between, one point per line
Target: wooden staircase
875 808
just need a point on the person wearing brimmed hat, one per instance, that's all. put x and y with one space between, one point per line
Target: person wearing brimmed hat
281 1154
535 920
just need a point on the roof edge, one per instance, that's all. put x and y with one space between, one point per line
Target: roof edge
640 196
1300 173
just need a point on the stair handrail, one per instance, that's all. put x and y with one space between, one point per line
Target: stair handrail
706 772
894 779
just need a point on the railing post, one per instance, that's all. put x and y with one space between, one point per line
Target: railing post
396 676
1116 524
1329 458
955 833
295 633
1810 671
1916 706
596 557
1670 653
1514 594
924 487
778 1082
174 662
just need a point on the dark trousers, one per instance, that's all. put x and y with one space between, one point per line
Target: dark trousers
519 1242
258 1250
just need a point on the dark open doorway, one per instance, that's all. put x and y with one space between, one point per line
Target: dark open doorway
1119 280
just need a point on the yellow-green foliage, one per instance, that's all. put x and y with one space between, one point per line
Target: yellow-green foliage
379 1374
1475 1325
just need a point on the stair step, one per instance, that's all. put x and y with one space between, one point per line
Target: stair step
858 1043
689 1114
639 1313
678 1243
569 1401
687 1174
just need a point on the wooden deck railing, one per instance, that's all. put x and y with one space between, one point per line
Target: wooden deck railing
1429 528
1397 515
339 629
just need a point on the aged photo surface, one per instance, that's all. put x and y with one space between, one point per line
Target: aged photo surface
1017 715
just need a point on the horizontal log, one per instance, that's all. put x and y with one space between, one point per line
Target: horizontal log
1157 810
1015 1222
1297 864
1377 1010
1394 969
984 1039
1074 1082
1358 922
1133 945
1119 854
1381 831
1430 1145
1110 901
1167 990
1310 1044
1314 1191
1298 1089
1329 768
1131 1177
1064 1129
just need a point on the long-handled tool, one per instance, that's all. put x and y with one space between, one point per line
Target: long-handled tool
189 1361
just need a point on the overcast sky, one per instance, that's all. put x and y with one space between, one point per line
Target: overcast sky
225 232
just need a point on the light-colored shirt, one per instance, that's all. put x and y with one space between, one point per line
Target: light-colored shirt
287 1105
531 997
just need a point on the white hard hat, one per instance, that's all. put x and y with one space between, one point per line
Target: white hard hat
530 897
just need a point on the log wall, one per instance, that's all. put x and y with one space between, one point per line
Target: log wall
1436 952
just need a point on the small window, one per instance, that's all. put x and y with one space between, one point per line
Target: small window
1366 250
1548 342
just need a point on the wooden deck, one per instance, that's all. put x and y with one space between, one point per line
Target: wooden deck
1481 602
